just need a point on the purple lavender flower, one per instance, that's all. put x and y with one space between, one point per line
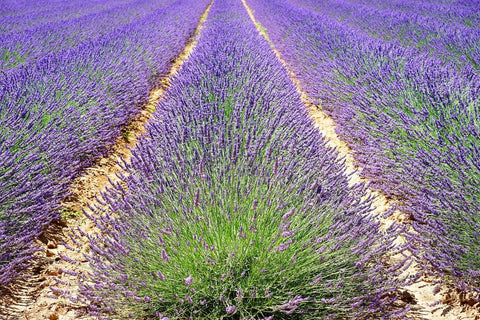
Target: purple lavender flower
230 309
165 255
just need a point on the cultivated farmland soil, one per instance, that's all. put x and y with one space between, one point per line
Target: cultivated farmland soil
43 291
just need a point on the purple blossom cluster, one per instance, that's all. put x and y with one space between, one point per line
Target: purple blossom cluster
18 16
401 80
448 32
234 205
59 112
32 43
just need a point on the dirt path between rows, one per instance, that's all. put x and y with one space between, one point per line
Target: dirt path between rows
44 290
420 293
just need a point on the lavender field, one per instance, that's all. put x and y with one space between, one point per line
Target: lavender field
233 199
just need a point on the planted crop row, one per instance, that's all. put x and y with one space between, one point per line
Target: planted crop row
412 120
61 112
59 36
235 208
24 15
448 11
453 38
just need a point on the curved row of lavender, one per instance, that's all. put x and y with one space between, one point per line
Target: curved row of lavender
59 114
235 207
447 10
452 37
412 121
53 37
18 15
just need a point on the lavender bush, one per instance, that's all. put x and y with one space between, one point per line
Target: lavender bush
61 112
235 208
411 119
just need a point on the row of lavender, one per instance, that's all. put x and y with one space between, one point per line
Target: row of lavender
17 15
447 32
50 37
235 208
464 10
411 118
61 112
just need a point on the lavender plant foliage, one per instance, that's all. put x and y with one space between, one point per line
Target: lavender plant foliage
34 43
235 207
447 32
449 11
61 112
25 15
412 120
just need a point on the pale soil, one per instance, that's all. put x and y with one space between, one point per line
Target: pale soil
419 295
42 292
